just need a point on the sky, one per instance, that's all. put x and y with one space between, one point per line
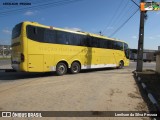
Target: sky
85 15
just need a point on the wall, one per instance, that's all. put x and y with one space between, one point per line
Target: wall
158 63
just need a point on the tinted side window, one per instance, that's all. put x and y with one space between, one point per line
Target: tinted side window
94 42
101 43
31 32
61 37
40 34
83 40
35 33
110 44
50 36
74 39
106 44
87 41
114 45
118 45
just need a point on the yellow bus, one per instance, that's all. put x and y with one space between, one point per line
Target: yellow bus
40 48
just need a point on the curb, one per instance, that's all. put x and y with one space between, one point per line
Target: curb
149 94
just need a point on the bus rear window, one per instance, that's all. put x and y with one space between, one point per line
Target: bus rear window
16 31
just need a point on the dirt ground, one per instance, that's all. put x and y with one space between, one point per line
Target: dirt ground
94 90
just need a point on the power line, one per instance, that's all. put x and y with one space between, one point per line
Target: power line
127 7
135 3
46 5
120 27
122 14
114 16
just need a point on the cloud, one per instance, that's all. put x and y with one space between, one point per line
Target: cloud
158 36
158 13
5 41
73 29
42 19
6 31
110 28
152 38
134 37
30 13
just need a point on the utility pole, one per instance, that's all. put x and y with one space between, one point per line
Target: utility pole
140 42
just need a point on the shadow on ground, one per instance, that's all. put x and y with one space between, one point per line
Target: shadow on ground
152 81
27 75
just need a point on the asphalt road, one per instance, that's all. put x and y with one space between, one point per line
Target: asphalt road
5 62
146 65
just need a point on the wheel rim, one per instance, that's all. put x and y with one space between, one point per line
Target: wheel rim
121 65
61 69
75 68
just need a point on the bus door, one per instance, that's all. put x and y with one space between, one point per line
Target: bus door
35 63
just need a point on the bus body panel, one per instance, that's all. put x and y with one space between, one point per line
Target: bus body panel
35 63
49 63
43 57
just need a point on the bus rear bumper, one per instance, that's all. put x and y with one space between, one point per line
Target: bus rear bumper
16 67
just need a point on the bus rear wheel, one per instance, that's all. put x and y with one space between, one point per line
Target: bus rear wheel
121 65
61 68
75 68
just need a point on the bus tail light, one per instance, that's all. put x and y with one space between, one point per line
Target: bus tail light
22 57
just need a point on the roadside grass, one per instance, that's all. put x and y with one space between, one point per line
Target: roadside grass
7 58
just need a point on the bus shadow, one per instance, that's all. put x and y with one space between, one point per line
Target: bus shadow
23 75
143 94
10 75
96 70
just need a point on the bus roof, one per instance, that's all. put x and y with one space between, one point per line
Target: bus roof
71 31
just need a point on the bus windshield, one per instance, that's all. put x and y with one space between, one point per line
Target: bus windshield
126 50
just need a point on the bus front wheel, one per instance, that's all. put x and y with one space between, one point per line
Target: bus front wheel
61 68
121 65
75 68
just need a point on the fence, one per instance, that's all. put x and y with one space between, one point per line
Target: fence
5 51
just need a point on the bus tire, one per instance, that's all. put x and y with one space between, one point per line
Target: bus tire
75 68
121 64
61 69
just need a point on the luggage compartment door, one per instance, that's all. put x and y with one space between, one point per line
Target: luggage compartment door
35 63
